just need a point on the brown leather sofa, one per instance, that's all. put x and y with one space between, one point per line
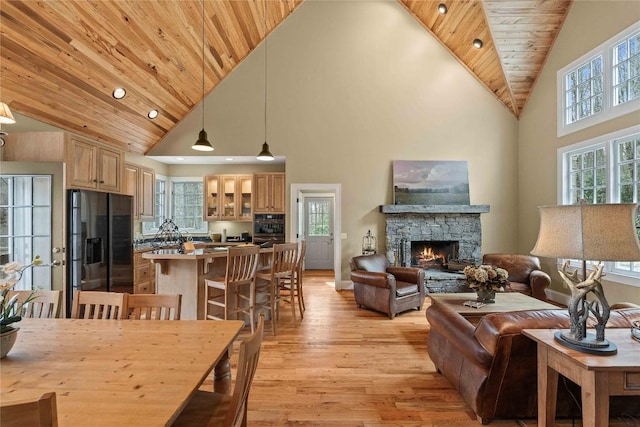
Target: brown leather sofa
525 275
494 367
388 289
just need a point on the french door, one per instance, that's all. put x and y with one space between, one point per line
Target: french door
32 221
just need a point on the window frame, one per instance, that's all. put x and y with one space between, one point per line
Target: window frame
609 141
169 206
204 228
609 110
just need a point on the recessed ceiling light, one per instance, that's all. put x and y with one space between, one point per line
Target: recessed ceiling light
442 8
152 114
477 43
119 93
229 159
180 158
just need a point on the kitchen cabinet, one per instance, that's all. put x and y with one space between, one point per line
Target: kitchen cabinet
228 197
90 165
269 192
144 275
131 177
94 167
139 182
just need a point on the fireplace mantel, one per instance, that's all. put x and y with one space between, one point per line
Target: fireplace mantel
434 209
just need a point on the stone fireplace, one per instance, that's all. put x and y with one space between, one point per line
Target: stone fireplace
450 231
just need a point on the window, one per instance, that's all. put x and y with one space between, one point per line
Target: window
587 175
601 85
318 218
187 205
160 206
180 199
626 70
583 91
25 226
605 170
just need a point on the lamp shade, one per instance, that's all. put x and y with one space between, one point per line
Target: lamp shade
600 232
5 114
202 144
265 155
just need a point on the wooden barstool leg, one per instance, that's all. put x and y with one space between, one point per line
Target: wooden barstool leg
273 306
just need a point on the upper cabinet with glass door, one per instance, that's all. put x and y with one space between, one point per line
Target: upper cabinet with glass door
228 198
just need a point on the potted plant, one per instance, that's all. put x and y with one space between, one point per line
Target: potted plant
485 280
10 308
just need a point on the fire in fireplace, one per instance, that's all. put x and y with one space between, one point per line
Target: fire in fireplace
433 254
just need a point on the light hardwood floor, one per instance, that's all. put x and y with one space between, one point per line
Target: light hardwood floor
344 366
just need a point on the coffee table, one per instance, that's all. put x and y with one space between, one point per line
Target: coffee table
505 302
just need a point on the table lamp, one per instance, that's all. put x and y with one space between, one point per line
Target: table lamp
600 232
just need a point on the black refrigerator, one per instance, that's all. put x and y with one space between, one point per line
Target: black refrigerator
99 243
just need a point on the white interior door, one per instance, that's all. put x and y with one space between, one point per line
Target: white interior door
318 232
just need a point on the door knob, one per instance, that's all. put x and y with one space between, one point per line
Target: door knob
56 263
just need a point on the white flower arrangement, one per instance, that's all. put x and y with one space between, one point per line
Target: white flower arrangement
9 308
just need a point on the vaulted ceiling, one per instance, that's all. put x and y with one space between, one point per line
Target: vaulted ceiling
61 60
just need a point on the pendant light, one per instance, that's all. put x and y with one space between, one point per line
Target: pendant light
265 155
202 144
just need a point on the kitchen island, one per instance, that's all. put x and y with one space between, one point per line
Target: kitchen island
185 273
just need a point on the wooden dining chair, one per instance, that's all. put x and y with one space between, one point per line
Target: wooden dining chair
206 408
154 306
99 305
44 304
42 412
236 293
283 263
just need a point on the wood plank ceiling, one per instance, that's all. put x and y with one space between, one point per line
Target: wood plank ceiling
61 60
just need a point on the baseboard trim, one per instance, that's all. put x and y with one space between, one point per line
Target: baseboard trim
557 297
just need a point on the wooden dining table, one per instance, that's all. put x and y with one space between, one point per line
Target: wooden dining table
117 372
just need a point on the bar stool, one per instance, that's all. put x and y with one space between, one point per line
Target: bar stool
294 285
283 263
230 294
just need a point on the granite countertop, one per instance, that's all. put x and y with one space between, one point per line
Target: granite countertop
165 254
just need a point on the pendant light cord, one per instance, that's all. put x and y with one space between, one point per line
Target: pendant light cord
265 69
202 64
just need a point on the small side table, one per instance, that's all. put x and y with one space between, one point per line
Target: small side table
598 376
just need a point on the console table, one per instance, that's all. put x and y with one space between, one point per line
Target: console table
598 376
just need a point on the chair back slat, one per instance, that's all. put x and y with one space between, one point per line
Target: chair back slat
154 306
285 257
43 305
301 254
99 305
242 263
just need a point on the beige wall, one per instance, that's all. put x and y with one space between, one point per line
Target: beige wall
353 86
588 24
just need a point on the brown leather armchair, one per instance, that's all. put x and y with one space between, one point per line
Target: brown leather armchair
384 288
525 275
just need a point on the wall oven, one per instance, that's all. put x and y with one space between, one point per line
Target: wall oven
268 229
